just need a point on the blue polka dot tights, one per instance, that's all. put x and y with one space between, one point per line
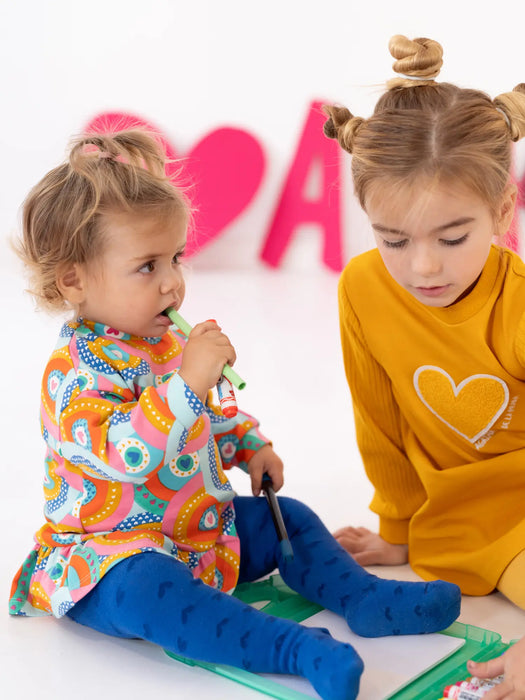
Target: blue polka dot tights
154 597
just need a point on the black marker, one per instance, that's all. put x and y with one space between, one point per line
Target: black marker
286 547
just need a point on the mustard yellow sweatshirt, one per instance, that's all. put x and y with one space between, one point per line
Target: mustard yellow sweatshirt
439 403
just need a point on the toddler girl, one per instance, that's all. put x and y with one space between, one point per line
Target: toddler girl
143 535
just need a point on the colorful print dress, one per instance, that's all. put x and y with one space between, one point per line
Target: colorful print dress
134 463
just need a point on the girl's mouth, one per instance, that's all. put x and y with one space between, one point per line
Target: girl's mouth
164 318
432 291
165 312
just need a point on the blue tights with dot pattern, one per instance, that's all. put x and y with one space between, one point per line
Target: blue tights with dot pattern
154 597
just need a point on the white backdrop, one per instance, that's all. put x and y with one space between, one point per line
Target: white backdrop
191 67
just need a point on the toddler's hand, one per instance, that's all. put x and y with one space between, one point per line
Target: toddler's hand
204 356
265 461
512 665
369 548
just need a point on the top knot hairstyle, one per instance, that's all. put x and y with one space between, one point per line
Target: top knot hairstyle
62 215
418 61
421 127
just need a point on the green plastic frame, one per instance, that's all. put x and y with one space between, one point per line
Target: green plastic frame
279 600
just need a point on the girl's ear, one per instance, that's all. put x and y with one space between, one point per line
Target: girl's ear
506 210
71 284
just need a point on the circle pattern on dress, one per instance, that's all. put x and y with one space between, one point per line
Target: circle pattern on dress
184 465
134 454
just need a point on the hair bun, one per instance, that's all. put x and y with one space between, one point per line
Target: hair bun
341 125
416 58
512 106
329 129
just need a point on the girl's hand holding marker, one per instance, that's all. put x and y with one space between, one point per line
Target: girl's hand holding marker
228 377
512 665
229 408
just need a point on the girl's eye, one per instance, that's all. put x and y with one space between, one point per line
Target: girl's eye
454 241
177 258
394 244
147 268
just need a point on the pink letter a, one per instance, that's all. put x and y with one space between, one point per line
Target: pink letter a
295 207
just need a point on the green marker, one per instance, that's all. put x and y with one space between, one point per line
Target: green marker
185 327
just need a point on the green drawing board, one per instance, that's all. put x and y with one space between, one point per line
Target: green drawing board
275 598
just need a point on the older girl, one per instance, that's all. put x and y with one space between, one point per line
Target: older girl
433 332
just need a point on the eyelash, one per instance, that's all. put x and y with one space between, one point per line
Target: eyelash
455 241
444 241
394 244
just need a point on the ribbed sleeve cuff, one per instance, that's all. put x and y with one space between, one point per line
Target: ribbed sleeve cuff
394 531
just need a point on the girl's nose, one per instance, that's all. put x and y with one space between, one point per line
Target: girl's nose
426 262
171 281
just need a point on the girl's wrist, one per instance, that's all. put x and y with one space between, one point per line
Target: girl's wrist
194 385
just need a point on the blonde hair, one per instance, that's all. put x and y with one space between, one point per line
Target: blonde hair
424 128
62 215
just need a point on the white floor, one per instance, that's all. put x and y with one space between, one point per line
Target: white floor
284 326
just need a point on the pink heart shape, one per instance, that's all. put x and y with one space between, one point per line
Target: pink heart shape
228 450
223 172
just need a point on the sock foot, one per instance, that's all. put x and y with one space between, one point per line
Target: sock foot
385 607
332 667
